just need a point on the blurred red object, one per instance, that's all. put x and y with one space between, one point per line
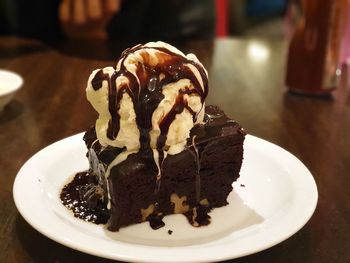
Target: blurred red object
315 49
221 18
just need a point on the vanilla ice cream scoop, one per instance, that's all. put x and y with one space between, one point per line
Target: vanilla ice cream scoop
151 100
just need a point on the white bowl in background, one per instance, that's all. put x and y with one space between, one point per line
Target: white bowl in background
10 83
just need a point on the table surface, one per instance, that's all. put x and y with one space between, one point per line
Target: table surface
246 80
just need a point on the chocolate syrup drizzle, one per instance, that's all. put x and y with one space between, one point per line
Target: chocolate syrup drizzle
145 90
198 167
198 216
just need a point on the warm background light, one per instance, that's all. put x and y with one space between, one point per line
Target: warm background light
258 51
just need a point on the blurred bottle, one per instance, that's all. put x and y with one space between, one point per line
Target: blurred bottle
313 65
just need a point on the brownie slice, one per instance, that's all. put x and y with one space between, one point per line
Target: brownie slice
192 182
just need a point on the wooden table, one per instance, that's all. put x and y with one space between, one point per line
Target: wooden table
246 77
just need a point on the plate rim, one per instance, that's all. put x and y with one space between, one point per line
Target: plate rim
196 257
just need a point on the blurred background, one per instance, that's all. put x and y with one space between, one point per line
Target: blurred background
66 24
134 21
146 19
309 40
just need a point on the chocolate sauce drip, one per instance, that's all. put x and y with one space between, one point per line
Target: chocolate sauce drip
113 107
113 99
105 154
98 79
155 221
203 218
198 216
90 137
198 167
177 108
83 197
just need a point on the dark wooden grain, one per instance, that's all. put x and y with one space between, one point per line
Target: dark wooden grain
52 105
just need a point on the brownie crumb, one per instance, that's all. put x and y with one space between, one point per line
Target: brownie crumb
170 232
242 185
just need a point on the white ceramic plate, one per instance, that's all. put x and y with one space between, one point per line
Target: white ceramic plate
274 197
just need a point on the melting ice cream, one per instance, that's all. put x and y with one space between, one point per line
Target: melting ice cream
151 100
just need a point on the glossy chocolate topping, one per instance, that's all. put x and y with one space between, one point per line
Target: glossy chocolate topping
145 90
83 197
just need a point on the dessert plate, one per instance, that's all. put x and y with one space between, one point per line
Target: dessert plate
274 197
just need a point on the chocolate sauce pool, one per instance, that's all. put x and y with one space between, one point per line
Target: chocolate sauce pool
80 197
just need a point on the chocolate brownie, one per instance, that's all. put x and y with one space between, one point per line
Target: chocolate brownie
215 149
